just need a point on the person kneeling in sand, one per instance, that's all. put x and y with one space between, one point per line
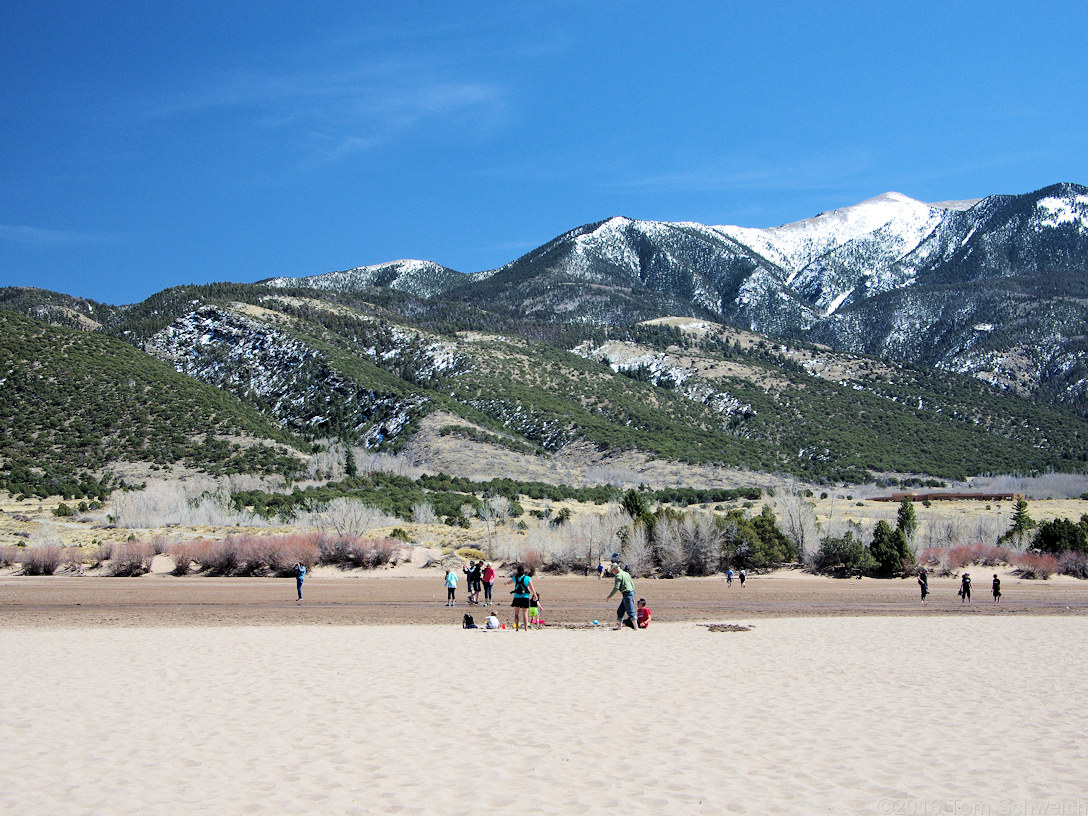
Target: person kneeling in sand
644 614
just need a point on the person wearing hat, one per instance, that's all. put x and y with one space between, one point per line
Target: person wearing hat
965 588
626 587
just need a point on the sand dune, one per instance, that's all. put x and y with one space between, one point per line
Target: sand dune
942 714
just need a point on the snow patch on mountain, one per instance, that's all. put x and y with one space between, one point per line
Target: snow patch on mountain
421 278
1053 211
663 370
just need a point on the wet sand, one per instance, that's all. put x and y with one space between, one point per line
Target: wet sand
164 600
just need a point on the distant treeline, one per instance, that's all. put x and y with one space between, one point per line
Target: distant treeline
398 495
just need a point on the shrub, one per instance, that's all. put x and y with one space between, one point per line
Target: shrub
471 553
532 560
62 510
277 555
131 558
1073 563
42 560
10 556
349 551
843 557
1033 565
74 558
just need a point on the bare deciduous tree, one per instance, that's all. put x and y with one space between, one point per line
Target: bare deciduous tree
636 549
493 512
797 518
423 513
670 546
350 517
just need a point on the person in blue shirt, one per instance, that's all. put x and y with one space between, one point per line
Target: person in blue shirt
523 592
300 576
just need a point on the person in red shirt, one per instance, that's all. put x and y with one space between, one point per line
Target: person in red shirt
643 613
488 577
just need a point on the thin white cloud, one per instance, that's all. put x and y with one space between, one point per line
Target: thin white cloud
342 113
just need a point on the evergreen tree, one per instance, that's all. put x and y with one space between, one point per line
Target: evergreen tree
907 521
634 503
1060 535
889 548
1021 523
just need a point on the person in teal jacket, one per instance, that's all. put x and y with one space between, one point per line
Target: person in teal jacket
524 592
300 576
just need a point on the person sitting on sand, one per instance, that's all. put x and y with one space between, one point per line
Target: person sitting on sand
300 576
923 583
643 613
492 621
626 587
965 588
996 589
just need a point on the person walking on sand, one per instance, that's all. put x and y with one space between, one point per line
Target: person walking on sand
488 579
996 589
626 587
965 588
524 591
451 587
743 577
600 570
923 584
300 576
729 577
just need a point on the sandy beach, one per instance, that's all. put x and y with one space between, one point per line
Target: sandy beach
193 696
879 715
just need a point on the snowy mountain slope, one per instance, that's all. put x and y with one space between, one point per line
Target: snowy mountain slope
420 278
281 375
890 275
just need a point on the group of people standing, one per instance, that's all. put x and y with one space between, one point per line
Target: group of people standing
964 592
479 577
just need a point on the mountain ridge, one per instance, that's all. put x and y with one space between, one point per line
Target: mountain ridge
857 278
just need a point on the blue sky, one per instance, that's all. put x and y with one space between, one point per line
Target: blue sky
145 145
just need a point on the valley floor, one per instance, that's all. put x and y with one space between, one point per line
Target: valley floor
418 597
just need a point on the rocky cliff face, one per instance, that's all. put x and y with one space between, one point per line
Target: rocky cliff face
280 375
